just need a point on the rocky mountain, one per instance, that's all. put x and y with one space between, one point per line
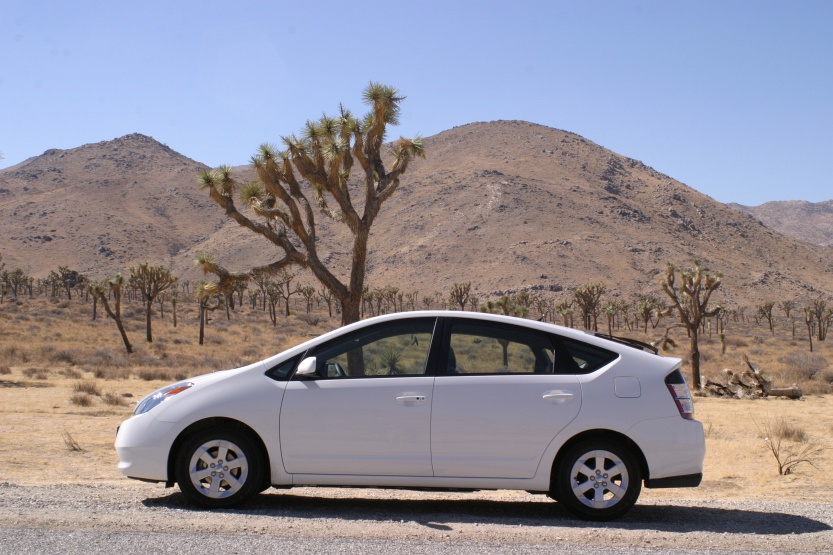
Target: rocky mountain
808 221
506 205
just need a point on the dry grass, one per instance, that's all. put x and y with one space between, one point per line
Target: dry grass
89 387
81 399
115 400
82 358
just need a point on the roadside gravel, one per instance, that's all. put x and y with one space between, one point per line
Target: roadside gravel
127 517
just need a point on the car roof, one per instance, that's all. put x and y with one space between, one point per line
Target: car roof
579 335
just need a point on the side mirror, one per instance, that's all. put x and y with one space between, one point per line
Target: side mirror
307 367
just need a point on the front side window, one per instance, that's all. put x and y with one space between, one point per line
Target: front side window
390 349
488 348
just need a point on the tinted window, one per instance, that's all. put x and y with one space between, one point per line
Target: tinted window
282 371
390 349
588 358
489 348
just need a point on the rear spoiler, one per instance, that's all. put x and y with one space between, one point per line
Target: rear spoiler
635 343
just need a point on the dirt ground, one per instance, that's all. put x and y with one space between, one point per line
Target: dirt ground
39 425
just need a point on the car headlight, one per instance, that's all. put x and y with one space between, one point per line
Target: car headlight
160 395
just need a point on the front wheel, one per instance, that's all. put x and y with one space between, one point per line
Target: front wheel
597 480
219 467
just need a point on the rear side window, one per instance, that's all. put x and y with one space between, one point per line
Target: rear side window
492 348
588 358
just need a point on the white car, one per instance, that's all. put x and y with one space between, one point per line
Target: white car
434 399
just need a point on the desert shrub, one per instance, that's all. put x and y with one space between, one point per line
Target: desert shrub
790 445
826 376
81 399
803 364
55 355
734 341
251 353
5 370
783 429
71 373
36 373
109 373
309 319
115 400
104 357
13 354
88 387
130 312
156 374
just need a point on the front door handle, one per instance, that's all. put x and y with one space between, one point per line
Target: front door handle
558 396
410 399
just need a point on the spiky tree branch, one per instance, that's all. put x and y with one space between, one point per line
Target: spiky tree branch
691 299
313 172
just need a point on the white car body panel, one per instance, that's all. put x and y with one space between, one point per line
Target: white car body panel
477 431
368 426
476 418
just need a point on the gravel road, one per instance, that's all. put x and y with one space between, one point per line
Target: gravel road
129 518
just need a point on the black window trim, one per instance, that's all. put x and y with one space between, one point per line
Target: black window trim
562 355
430 364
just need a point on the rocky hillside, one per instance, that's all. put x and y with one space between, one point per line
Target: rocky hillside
506 205
808 221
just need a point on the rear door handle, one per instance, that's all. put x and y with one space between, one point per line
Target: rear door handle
558 396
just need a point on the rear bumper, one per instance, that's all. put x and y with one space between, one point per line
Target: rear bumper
687 481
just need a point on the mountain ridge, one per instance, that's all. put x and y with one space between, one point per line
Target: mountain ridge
507 205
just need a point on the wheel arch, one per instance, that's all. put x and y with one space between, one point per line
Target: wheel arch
601 434
212 422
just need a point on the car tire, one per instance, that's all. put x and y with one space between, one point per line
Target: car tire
219 467
597 479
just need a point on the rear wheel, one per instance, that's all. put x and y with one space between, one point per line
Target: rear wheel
597 480
219 467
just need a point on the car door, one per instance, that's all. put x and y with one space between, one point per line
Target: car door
367 410
505 396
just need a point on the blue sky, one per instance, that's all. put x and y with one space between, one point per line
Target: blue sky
733 98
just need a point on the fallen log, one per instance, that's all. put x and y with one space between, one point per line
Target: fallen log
793 392
748 384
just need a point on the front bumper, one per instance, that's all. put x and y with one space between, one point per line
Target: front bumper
143 444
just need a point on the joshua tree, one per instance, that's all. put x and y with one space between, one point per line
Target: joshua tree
14 280
67 279
206 291
314 170
823 316
808 320
151 281
765 311
99 290
565 310
787 306
283 288
588 298
460 294
308 292
691 299
222 289
327 296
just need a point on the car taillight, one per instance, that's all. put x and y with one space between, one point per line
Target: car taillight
680 393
